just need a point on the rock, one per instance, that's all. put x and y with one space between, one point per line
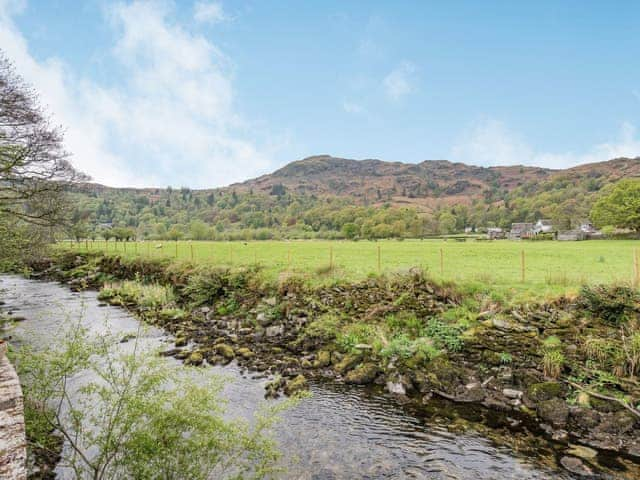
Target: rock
181 341
245 353
473 393
396 388
582 452
274 330
584 418
539 392
323 359
576 466
604 406
349 362
618 423
305 363
511 393
363 374
195 359
491 358
263 320
554 411
271 301
297 384
226 351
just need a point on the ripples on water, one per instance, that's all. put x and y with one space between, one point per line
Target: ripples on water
338 433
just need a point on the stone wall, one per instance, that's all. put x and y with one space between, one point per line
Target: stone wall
13 444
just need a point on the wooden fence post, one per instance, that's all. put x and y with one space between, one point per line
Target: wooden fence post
522 267
176 248
330 257
441 262
231 253
289 259
379 263
191 246
636 268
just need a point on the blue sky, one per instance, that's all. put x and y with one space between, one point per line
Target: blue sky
203 93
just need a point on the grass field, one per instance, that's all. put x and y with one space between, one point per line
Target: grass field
549 267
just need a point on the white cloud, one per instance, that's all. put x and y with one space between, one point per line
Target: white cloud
209 12
490 142
352 107
171 121
400 81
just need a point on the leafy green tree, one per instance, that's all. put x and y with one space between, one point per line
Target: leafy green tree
620 207
447 223
175 233
132 415
350 230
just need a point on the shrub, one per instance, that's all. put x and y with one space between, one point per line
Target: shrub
358 333
614 304
324 329
444 335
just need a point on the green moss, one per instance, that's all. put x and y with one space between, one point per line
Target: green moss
297 384
539 392
226 351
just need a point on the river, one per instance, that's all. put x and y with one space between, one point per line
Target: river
340 432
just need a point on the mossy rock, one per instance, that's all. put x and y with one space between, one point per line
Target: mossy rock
323 359
491 358
554 411
349 362
297 384
363 374
604 406
194 359
245 353
226 351
539 392
181 341
444 375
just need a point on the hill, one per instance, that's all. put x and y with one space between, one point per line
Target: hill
324 196
429 183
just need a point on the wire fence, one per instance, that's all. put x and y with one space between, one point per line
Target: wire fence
503 262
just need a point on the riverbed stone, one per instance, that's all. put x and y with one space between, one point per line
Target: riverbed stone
297 384
245 353
348 363
195 358
323 359
554 411
226 351
576 466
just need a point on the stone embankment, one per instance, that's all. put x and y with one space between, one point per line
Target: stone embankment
13 444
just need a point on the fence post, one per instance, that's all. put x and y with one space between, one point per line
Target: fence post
522 267
441 262
330 257
148 252
231 253
379 263
636 268
289 259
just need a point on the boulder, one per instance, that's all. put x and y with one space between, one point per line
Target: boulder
576 466
245 353
540 392
297 384
226 351
554 411
349 362
195 358
363 374
323 359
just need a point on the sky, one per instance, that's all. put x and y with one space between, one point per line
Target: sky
206 93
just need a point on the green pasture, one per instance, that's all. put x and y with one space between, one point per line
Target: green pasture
549 267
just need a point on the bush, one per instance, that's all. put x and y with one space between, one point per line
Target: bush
614 304
444 335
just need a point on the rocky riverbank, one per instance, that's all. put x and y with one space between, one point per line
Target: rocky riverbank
566 367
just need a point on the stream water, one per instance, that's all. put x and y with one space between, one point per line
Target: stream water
340 432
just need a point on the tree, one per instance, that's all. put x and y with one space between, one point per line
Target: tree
175 233
350 230
132 415
34 166
447 223
619 207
